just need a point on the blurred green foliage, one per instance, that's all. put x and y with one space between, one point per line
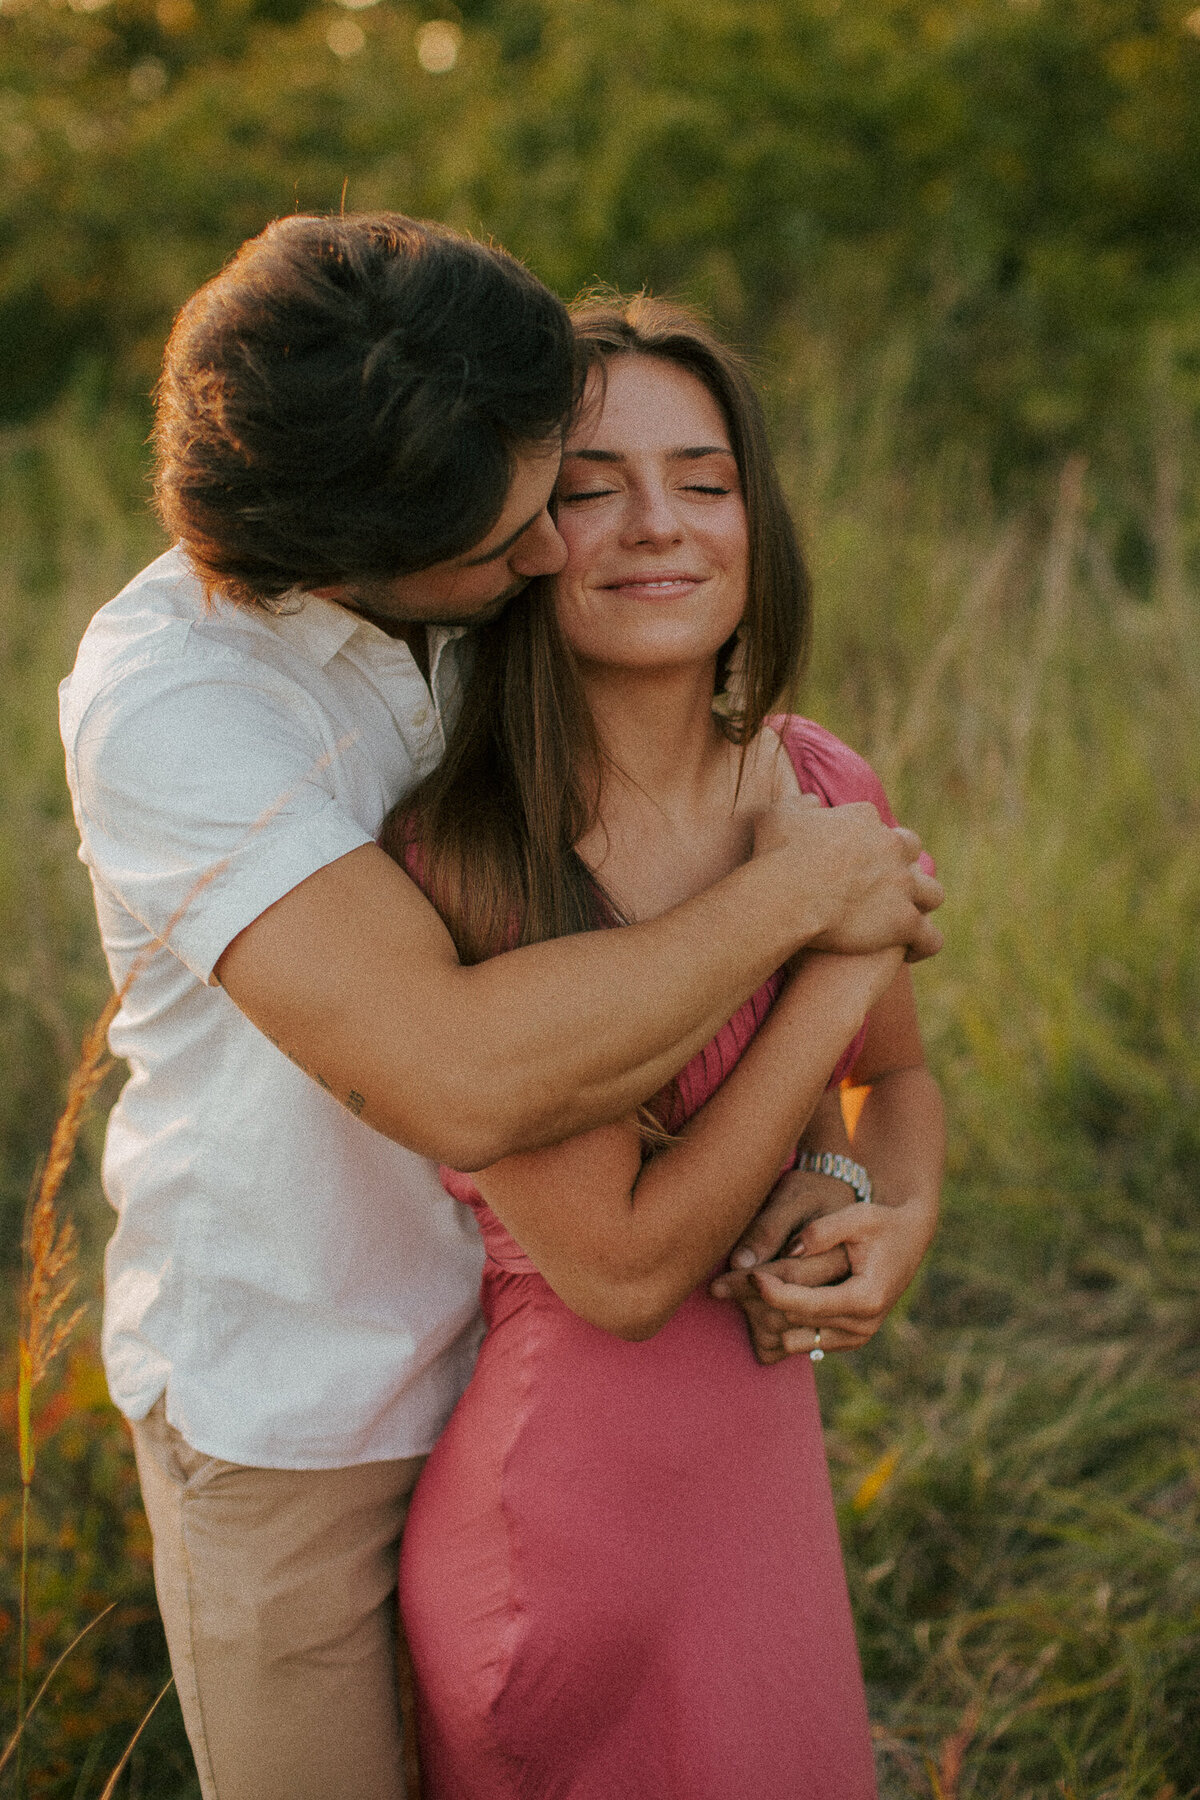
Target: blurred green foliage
1018 1458
1019 180
962 242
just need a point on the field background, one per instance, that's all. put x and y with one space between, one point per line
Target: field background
962 243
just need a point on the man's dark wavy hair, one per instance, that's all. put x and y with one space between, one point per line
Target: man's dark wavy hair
345 399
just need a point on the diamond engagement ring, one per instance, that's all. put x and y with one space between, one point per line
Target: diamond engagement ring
816 1354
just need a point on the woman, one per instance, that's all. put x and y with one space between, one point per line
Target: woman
621 1573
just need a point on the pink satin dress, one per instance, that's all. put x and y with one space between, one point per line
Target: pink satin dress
621 1577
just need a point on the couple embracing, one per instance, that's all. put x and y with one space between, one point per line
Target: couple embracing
522 944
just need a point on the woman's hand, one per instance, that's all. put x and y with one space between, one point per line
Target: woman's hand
787 1300
856 1260
798 1197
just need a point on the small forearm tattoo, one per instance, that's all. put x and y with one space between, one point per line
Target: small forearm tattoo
356 1101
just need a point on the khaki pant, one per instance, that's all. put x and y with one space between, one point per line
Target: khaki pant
278 1593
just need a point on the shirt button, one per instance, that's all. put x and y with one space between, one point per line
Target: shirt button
421 716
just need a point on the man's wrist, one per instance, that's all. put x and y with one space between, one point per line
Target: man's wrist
787 897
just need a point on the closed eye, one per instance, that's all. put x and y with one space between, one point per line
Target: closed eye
584 494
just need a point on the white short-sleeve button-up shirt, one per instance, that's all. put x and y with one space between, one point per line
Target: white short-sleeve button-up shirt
302 1288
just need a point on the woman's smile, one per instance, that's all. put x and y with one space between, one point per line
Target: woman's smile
655 587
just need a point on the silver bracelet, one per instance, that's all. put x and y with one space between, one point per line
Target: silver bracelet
825 1162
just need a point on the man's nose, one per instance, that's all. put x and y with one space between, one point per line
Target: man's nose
541 550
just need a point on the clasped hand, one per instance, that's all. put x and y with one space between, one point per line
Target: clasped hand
878 891
854 1262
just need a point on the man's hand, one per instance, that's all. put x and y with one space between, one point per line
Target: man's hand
787 1300
878 893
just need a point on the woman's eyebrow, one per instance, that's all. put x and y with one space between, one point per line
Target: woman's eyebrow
685 453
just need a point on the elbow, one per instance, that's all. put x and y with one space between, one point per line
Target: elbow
485 1113
633 1309
469 1145
474 1138
640 1327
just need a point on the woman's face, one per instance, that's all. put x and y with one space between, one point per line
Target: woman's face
650 508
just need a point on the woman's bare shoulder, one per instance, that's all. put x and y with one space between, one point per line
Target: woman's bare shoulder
827 766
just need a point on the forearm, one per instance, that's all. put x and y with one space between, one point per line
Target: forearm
602 1023
900 1139
470 1064
556 1038
813 1220
353 975
574 1033
899 1133
690 1201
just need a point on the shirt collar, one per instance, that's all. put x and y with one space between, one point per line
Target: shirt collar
321 628
318 628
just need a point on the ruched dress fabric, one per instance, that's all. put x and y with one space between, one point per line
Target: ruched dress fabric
621 1577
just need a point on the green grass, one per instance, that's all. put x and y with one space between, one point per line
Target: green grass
1024 1561
1026 1583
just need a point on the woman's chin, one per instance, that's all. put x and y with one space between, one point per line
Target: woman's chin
658 663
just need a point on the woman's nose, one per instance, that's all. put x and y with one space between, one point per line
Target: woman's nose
651 518
541 550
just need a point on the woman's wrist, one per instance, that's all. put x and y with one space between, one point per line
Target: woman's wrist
841 1166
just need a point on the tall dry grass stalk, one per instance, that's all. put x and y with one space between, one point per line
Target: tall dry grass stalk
110 1786
51 1243
1051 618
48 1320
14 1741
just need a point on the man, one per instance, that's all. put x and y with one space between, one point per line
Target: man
358 434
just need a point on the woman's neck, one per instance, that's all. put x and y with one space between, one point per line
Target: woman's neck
672 817
659 736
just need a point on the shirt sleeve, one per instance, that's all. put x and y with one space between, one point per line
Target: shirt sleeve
203 797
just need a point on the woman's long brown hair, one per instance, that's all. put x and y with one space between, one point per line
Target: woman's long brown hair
492 831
